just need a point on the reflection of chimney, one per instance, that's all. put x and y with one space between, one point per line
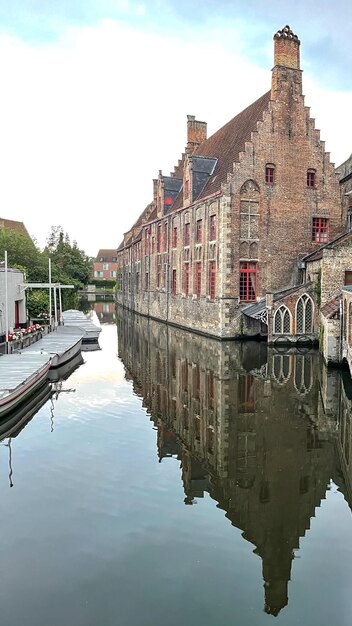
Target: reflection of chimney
276 596
196 133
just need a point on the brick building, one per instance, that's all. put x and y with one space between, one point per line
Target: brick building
238 213
105 265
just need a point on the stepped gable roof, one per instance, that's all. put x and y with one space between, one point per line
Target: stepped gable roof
18 227
107 254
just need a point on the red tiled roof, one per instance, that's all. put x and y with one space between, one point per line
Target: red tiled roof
107 254
331 308
227 143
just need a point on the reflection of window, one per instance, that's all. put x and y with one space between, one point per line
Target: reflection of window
248 281
197 427
196 382
210 439
264 494
282 367
282 321
304 315
247 393
303 373
174 282
211 389
184 375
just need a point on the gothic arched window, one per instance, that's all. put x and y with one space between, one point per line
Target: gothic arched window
304 315
282 321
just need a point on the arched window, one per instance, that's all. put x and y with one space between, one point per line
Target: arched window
282 321
270 173
304 315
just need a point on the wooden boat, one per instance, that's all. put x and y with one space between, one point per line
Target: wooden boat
61 345
74 318
20 376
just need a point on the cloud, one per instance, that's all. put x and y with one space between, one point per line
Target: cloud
87 122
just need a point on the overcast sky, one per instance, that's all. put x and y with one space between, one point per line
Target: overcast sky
95 93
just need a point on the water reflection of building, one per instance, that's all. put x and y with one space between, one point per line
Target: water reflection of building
105 312
245 422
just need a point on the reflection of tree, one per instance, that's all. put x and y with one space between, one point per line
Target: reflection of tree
219 408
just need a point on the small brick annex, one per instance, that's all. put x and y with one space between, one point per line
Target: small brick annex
238 213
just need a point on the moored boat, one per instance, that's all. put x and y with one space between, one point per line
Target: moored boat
73 318
61 345
20 376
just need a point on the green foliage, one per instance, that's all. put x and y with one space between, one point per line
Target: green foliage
103 283
37 303
69 264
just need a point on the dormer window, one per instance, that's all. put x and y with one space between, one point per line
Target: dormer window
311 179
269 174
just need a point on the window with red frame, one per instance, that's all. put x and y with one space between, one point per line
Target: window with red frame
174 237
212 228
174 282
158 240
186 279
311 178
320 229
270 174
199 231
198 278
212 280
186 234
248 281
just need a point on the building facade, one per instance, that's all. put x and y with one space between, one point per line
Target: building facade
238 213
105 265
17 315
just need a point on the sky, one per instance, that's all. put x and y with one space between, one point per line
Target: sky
95 95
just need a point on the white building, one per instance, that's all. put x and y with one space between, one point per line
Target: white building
16 300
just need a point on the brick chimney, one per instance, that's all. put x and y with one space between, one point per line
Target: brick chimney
196 133
286 59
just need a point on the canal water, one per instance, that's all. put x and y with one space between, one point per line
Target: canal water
173 479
